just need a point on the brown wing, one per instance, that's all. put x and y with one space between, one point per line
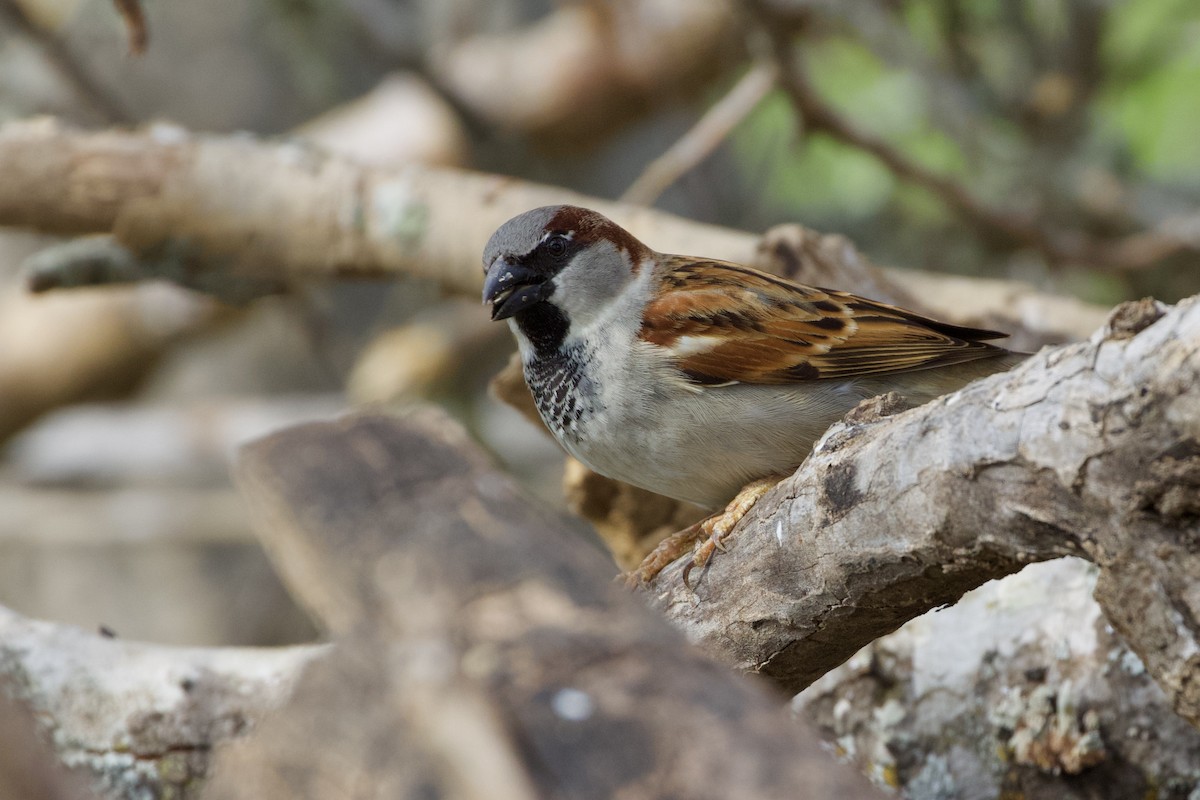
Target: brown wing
725 323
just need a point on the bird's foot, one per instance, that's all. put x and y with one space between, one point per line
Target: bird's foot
667 551
720 525
706 536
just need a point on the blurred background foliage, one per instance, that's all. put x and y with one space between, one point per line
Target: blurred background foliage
1085 112
1078 119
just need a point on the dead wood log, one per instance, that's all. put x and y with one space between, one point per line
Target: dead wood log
1089 449
482 649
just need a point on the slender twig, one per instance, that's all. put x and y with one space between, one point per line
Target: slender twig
135 25
703 137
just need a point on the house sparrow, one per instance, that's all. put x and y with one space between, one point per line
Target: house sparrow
692 377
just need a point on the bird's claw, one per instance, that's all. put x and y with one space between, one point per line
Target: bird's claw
707 537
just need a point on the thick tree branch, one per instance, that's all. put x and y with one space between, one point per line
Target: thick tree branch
1091 449
450 594
285 211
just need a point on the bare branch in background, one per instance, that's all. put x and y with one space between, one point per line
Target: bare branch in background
135 24
139 719
585 68
1000 227
91 345
704 137
239 206
401 121
100 260
96 345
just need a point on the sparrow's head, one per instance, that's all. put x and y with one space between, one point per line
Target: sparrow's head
570 257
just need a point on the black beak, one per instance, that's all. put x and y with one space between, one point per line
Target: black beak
512 287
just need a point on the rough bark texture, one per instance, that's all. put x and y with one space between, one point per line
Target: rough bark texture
483 650
210 204
1021 689
139 720
1089 449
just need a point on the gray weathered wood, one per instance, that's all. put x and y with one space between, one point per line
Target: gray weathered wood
482 649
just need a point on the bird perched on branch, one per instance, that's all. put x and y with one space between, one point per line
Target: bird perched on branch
699 379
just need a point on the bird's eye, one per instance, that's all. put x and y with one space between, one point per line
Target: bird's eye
556 246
